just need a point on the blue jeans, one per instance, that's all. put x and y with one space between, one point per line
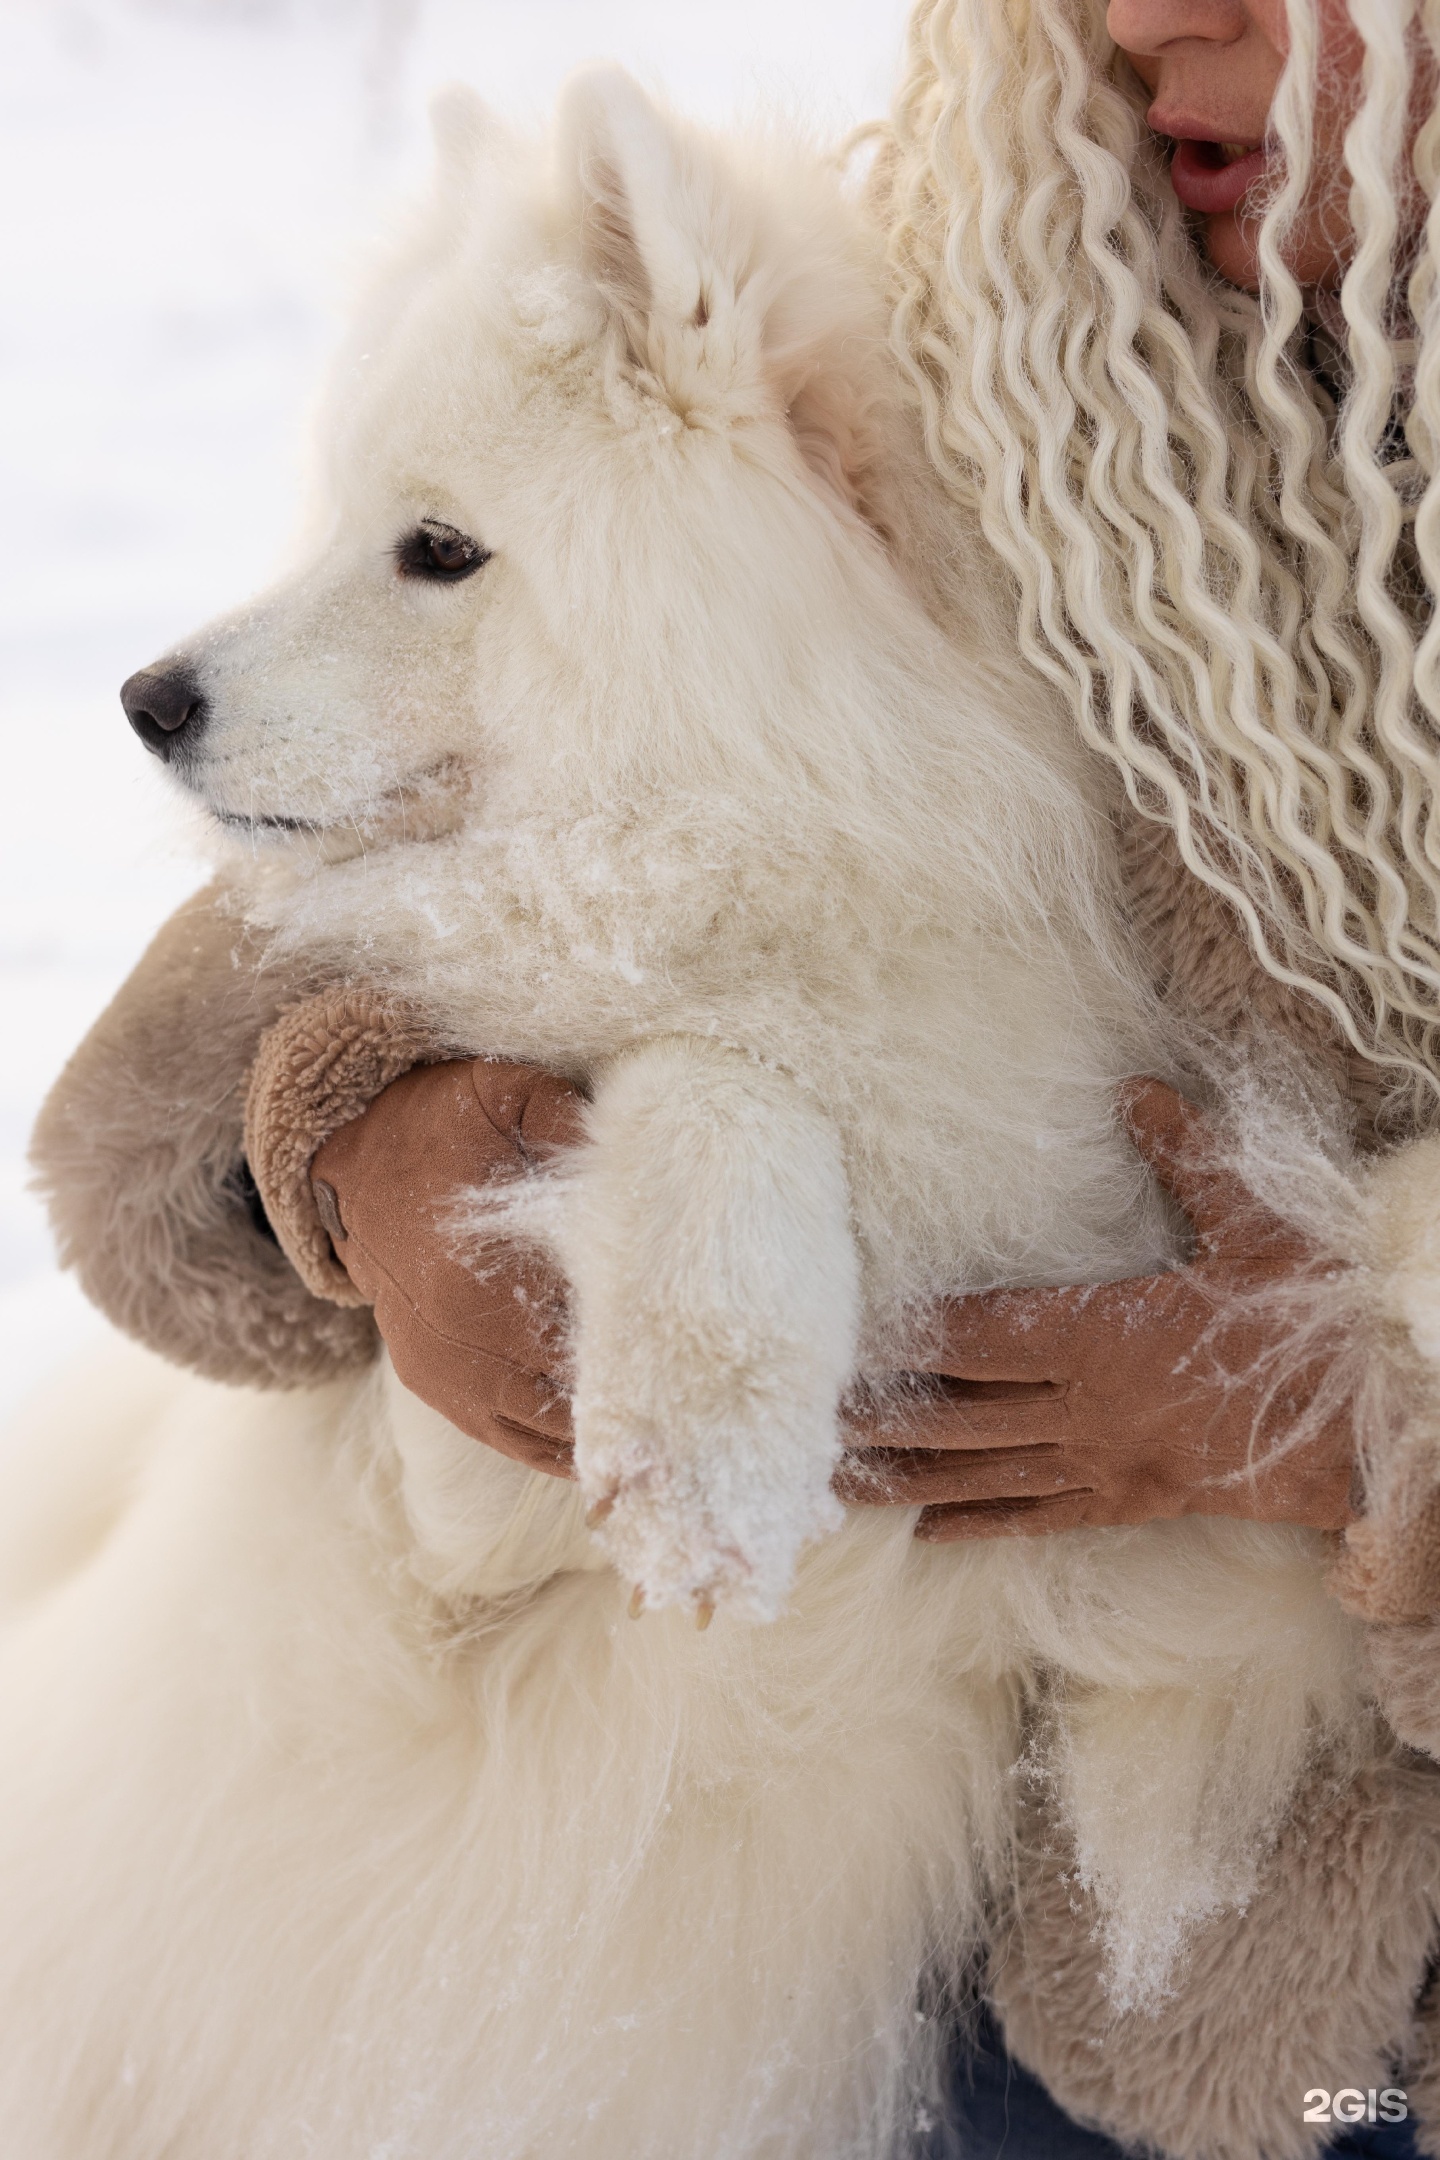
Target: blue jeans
1002 2113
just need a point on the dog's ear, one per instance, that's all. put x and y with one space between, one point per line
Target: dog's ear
741 287
466 132
625 165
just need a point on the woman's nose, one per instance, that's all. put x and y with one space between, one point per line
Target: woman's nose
1148 26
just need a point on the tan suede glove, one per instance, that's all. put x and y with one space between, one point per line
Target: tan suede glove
482 1342
1045 1409
1131 1401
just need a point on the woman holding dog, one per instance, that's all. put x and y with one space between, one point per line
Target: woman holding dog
1167 289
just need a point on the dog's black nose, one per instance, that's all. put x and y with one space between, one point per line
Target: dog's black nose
165 706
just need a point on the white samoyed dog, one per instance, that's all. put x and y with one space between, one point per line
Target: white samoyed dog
630 711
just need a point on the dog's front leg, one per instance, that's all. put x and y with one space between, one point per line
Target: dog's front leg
715 1279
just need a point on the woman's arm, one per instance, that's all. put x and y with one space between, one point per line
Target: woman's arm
1104 1405
1117 1403
138 1152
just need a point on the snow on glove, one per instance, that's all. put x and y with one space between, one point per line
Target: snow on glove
1130 1401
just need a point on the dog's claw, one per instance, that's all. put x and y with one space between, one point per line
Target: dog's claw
596 1514
637 1602
704 1613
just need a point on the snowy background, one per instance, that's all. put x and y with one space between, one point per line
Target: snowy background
187 184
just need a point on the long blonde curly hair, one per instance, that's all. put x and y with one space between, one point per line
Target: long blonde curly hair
1225 544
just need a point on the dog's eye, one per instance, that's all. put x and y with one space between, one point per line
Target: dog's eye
440 553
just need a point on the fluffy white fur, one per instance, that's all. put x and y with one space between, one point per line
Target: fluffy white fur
347 1813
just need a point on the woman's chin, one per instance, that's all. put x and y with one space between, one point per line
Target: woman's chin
1232 245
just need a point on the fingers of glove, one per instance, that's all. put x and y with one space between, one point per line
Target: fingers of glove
536 1403
530 1108
914 1477
1135 1357
517 1409
937 1412
1034 1340
1009 1336
1034 1517
510 1307
555 1457
1180 1145
1166 1129
1119 1481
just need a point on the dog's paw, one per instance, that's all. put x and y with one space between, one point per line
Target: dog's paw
711 1522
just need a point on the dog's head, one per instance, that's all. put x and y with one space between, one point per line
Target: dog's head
591 469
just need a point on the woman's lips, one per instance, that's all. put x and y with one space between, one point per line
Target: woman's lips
1211 176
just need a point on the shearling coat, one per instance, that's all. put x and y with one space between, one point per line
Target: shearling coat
140 1152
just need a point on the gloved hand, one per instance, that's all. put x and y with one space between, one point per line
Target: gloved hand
1131 1401
1045 1409
482 1342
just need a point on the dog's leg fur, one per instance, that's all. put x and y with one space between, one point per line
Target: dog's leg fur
706 1237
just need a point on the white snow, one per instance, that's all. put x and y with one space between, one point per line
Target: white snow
186 182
